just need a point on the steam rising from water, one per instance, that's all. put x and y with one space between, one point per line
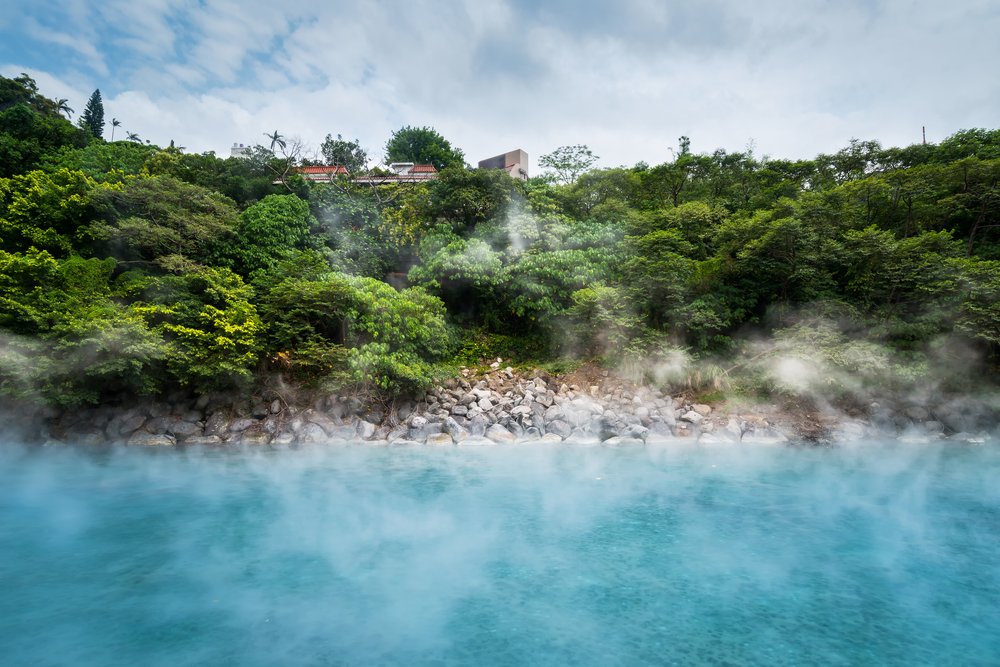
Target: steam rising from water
500 556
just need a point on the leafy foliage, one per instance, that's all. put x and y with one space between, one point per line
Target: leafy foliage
358 330
422 145
127 268
602 319
352 228
208 324
149 218
345 153
243 179
74 341
30 127
568 162
102 161
44 211
269 231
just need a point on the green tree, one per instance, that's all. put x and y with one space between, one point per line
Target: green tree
348 154
665 182
977 142
600 190
30 127
696 221
107 162
602 320
147 219
464 198
352 228
525 284
269 231
92 118
45 211
243 179
331 328
658 273
210 327
422 145
980 311
567 163
19 90
75 342
858 160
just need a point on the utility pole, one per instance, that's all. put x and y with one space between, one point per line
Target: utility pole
923 128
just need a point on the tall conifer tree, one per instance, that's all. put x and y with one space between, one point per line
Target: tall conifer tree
92 118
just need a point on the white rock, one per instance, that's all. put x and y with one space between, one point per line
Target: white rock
143 439
476 441
202 440
692 417
617 441
440 439
365 429
499 434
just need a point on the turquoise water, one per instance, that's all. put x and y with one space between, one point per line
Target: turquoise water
504 556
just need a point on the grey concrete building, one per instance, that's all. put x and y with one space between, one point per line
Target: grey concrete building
514 162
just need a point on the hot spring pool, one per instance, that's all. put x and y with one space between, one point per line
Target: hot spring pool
885 554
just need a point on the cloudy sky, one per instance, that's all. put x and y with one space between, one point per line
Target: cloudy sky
626 77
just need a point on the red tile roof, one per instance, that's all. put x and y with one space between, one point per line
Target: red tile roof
423 169
323 169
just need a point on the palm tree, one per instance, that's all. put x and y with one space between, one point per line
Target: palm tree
276 139
132 136
114 123
62 106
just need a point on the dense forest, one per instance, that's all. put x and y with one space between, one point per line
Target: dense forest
130 268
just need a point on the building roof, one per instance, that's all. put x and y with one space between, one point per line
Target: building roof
323 169
423 169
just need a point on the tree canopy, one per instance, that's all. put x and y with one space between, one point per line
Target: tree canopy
345 153
422 145
567 163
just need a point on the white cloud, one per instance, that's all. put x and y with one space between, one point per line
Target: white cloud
142 28
75 42
626 79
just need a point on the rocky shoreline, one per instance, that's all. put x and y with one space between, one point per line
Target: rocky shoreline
493 406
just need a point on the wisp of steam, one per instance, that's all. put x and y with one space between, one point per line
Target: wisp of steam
513 555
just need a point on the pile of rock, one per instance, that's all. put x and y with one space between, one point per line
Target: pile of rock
500 407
